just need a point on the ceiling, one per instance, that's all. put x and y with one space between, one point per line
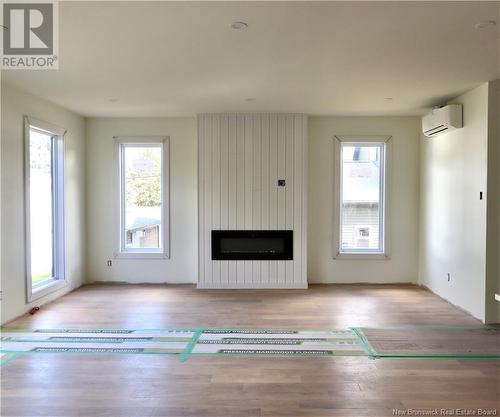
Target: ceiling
323 58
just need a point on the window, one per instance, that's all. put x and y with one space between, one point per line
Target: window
361 227
143 197
44 201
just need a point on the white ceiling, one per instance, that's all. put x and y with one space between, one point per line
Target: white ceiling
322 58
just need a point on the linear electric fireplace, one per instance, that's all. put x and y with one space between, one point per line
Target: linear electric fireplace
256 245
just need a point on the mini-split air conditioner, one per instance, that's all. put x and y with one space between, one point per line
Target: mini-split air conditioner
442 120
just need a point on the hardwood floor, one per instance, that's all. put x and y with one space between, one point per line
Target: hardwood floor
150 385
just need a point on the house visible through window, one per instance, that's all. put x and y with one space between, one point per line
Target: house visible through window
361 199
143 191
362 236
44 207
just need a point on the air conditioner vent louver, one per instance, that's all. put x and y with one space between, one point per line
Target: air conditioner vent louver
435 130
442 120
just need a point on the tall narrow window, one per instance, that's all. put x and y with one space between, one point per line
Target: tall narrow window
44 207
143 186
361 214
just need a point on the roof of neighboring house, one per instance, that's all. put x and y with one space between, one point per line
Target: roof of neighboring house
143 224
360 182
139 217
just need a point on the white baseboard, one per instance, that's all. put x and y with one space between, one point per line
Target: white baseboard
250 286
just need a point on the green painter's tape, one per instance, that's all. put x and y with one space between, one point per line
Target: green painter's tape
363 341
184 356
9 357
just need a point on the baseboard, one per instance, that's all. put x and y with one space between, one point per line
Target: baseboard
40 303
139 283
242 286
425 287
364 283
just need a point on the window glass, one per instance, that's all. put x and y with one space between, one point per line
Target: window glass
41 214
142 191
361 203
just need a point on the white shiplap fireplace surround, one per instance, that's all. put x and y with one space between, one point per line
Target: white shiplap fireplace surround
241 157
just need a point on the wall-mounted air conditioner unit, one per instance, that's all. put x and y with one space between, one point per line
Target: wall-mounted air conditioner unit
442 120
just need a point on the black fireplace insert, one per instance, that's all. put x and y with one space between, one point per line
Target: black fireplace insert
252 245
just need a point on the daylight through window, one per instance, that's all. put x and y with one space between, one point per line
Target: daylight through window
142 201
45 207
362 192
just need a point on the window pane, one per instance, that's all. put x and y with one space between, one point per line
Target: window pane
41 207
360 210
142 192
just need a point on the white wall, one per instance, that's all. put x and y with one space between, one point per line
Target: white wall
241 158
402 265
492 314
183 263
15 105
453 218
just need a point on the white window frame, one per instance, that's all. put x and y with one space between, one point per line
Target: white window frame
384 212
58 281
142 253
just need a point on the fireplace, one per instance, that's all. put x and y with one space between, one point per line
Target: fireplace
256 245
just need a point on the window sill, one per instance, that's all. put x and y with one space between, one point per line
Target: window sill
362 256
45 289
141 255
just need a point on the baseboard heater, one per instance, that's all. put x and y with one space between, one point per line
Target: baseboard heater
252 245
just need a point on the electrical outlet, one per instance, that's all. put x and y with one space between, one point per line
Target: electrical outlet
110 263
